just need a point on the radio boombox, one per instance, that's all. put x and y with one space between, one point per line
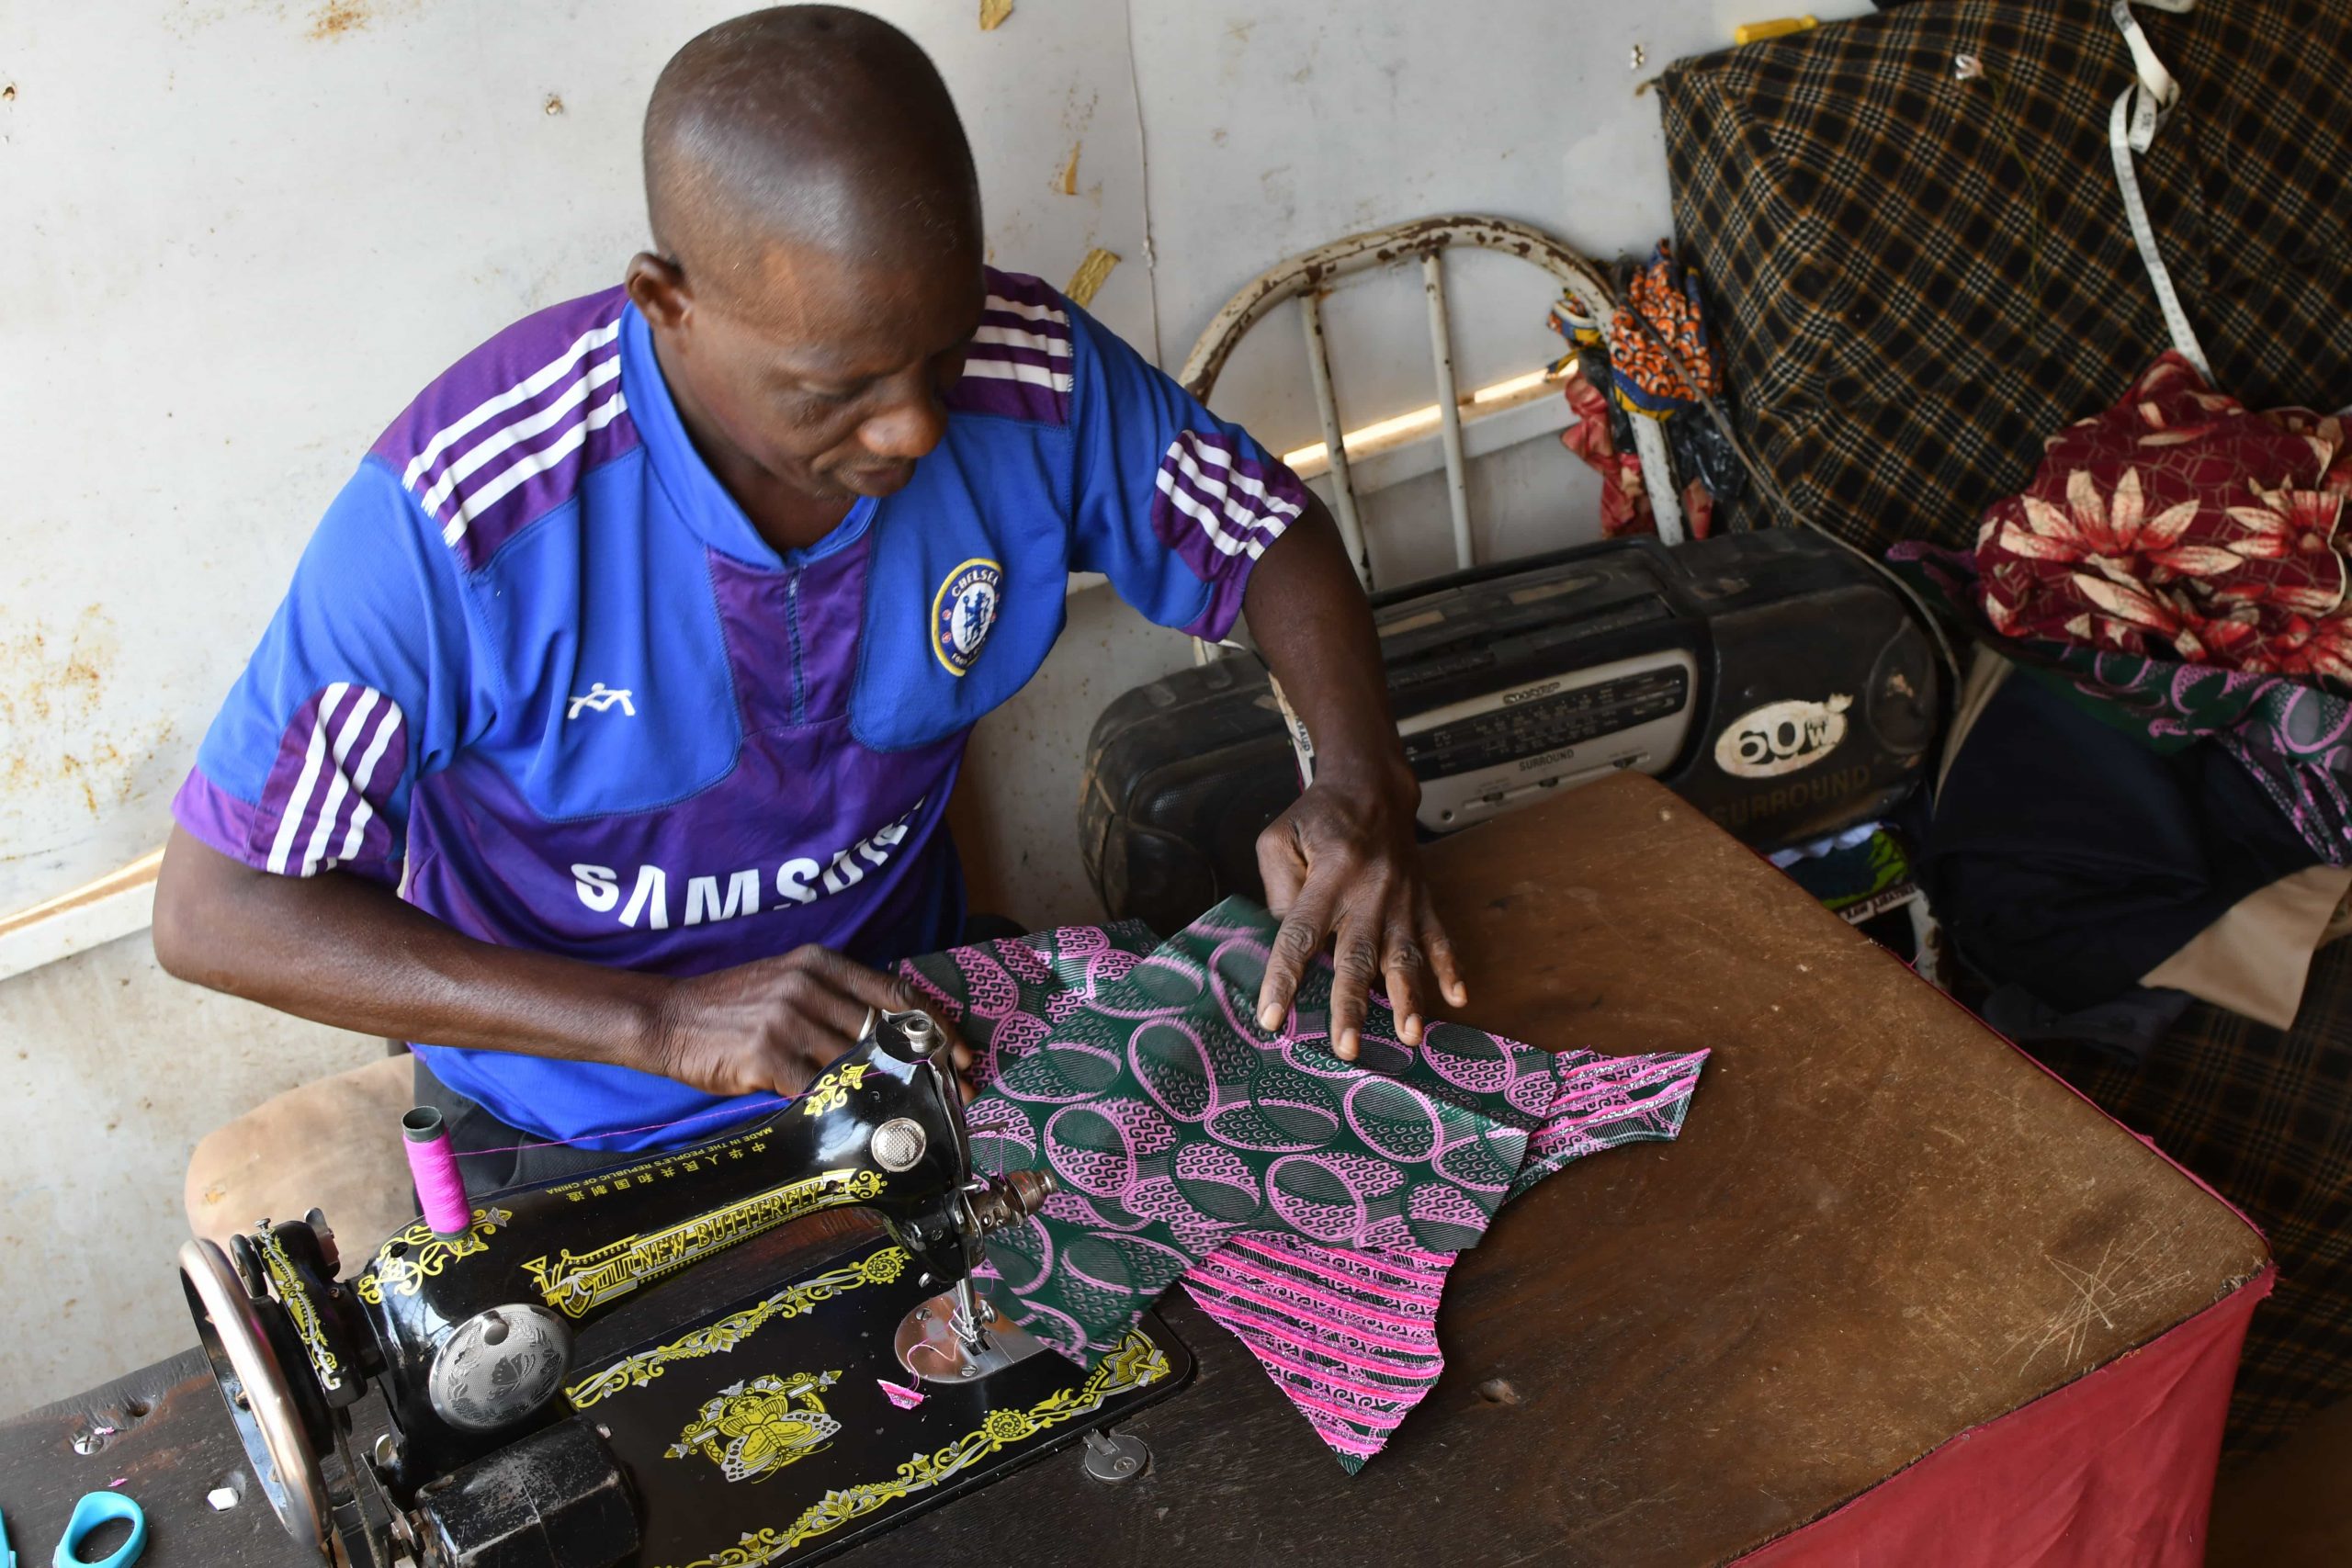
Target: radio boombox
1773 680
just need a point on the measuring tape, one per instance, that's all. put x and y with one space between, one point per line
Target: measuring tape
2132 127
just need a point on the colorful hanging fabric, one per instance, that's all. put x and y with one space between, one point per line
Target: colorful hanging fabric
1607 376
1645 381
1625 495
1346 1332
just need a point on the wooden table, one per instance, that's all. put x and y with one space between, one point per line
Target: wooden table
1881 1227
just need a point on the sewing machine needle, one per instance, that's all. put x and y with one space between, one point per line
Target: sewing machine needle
968 1322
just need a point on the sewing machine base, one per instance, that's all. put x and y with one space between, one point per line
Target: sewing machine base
762 1435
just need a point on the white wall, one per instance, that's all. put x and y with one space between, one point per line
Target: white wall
254 230
246 230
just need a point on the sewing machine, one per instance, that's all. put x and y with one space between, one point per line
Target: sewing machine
768 1427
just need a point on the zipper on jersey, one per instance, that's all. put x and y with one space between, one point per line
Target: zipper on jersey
792 633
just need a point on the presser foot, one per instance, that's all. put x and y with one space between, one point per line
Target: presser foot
939 1344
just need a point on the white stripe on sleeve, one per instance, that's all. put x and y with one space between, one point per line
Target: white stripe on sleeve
366 809
338 781
524 468
530 387
290 819
548 418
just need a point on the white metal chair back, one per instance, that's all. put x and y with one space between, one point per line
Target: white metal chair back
1305 276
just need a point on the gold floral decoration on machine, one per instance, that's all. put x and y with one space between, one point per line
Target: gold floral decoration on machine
831 1091
405 1261
302 1312
716 1338
1135 1364
751 1429
576 1283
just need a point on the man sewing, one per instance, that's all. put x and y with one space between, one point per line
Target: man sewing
603 743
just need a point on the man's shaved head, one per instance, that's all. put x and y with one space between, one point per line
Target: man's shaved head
811 126
817 273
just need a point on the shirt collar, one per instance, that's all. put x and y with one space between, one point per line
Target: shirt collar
702 502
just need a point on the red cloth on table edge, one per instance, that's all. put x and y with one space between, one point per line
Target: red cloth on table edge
2117 1467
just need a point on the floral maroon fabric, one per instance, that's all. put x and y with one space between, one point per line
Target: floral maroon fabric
2181 525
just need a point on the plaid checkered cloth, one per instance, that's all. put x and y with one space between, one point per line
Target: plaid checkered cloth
1921 269
2266 1116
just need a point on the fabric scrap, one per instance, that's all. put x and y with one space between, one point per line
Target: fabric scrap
1175 1122
901 1395
1349 1335
2255 958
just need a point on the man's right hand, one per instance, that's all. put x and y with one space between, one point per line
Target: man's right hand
347 952
773 1025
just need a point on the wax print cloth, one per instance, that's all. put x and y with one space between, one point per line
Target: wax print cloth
1639 379
2180 523
1311 1206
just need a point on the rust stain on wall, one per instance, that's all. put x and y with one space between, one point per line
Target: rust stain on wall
339 17
54 729
45 672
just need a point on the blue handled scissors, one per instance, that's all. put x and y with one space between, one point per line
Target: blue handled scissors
97 1508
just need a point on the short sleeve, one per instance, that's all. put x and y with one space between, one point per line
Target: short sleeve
350 697
1173 505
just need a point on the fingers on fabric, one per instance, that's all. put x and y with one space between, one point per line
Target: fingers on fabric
1355 968
1439 947
1406 973
1302 932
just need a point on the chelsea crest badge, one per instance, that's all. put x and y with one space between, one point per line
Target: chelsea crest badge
963 611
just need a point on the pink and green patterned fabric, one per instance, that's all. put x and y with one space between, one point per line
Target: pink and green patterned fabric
1310 1205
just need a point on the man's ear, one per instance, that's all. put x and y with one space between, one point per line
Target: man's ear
659 288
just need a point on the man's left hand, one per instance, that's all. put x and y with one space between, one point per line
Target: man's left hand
1340 864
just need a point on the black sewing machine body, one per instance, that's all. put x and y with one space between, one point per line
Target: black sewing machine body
749 1430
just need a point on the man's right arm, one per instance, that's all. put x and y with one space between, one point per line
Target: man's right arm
345 951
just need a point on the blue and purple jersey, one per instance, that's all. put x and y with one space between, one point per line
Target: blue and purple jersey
538 671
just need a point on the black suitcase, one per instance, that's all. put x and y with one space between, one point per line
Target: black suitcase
1772 680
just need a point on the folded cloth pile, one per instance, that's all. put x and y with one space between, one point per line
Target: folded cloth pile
1311 1205
2175 569
2069 862
2163 808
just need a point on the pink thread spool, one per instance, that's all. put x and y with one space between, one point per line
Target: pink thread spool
433 1166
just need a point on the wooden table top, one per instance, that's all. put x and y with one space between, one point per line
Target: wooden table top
1881 1226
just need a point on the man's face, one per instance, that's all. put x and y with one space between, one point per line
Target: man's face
825 372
